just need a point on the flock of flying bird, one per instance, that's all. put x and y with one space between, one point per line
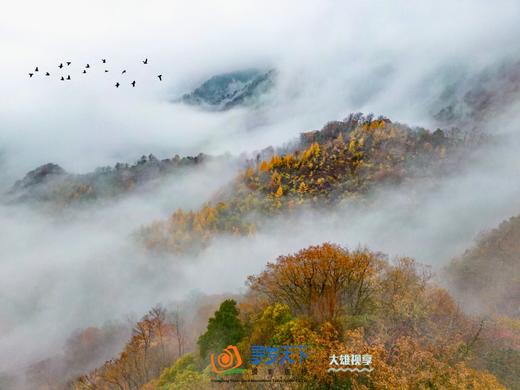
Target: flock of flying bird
87 66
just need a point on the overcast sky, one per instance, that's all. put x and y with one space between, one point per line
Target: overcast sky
333 57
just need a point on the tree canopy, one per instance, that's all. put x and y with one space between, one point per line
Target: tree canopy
223 329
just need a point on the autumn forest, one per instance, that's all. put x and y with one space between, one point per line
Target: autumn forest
260 196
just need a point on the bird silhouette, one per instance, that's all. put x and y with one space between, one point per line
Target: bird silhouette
68 63
62 78
88 66
104 61
145 61
60 66
36 70
160 77
31 75
68 77
117 85
123 72
133 83
47 74
106 70
84 71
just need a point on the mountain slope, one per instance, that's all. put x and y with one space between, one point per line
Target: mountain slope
487 276
52 184
344 160
357 302
225 91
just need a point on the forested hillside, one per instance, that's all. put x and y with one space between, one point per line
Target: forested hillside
343 161
487 276
51 184
356 301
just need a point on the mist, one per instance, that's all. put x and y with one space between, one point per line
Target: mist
388 59
59 273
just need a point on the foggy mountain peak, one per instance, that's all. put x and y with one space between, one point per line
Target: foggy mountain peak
51 183
480 97
39 176
227 90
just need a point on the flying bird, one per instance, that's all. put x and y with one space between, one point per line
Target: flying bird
47 74
60 66
36 70
160 77
84 71
123 72
31 75
104 61
68 63
106 70
133 83
68 77
145 61
88 66
117 85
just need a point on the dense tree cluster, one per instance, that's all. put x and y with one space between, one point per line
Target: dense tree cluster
156 341
343 160
223 329
52 184
190 230
347 301
334 300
